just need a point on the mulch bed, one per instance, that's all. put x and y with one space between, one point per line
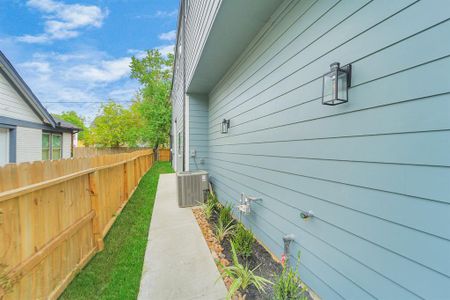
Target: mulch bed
268 268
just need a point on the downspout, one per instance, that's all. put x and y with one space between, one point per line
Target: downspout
184 83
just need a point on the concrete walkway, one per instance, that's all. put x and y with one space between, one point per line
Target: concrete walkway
178 264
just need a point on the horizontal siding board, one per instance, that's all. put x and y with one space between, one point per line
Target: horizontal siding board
330 210
369 201
313 90
12 104
302 70
401 179
323 37
273 241
309 22
272 42
410 116
311 234
198 131
376 148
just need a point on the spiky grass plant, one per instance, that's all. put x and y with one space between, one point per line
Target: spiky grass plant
222 230
242 276
288 285
243 241
225 215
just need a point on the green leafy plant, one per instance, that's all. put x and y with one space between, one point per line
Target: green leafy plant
243 241
225 215
288 285
208 209
222 230
215 202
242 276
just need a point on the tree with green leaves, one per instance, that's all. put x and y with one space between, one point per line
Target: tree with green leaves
72 117
154 73
115 126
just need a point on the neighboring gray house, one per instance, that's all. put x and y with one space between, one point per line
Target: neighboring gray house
27 131
375 171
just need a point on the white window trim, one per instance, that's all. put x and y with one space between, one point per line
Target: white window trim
50 145
7 145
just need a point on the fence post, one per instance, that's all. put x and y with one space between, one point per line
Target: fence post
93 191
136 173
125 181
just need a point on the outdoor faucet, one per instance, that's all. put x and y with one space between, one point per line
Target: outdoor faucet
305 215
245 203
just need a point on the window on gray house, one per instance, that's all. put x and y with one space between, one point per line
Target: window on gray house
51 146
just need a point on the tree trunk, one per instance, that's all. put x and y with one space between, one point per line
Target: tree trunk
155 153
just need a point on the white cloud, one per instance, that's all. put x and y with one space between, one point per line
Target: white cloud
41 67
105 71
64 21
166 49
168 36
140 54
86 75
166 14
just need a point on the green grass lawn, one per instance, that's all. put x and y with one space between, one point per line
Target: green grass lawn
115 273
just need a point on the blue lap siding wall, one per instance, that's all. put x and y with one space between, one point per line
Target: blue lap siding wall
375 171
198 132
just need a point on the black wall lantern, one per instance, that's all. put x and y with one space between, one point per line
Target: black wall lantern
225 125
336 84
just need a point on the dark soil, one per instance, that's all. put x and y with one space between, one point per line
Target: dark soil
267 268
260 259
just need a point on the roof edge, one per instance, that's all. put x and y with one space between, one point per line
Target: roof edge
30 97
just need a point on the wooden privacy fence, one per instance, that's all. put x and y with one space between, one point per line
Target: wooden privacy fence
164 154
54 216
94 151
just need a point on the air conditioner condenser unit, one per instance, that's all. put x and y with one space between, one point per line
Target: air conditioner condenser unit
192 188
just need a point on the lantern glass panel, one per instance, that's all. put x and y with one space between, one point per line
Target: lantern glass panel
224 126
329 87
335 86
342 85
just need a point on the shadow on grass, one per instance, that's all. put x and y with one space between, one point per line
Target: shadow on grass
115 273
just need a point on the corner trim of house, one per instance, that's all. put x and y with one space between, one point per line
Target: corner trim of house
13 145
186 128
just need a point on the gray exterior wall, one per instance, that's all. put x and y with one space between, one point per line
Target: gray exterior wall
190 42
198 132
12 104
374 171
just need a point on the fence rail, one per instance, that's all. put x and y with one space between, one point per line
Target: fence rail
79 152
54 216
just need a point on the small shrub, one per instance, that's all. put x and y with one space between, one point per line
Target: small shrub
225 214
288 285
214 202
243 241
242 276
222 231
208 208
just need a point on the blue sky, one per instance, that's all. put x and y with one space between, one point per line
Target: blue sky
79 50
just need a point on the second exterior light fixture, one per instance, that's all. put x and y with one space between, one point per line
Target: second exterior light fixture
335 84
225 125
